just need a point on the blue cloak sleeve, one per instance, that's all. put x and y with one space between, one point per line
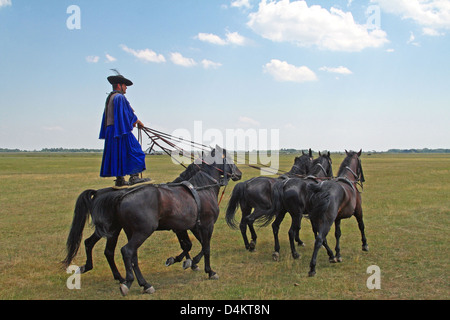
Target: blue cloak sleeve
124 116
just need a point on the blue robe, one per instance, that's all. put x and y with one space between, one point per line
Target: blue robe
122 154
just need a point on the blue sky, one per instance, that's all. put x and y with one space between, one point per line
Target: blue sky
329 75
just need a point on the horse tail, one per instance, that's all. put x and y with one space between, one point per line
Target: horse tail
83 208
237 195
318 200
277 204
104 213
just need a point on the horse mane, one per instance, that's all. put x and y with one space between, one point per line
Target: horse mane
314 169
187 174
346 161
201 179
299 164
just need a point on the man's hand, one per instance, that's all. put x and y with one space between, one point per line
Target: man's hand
139 124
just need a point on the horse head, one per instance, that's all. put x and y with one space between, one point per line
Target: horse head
352 165
302 164
223 163
322 166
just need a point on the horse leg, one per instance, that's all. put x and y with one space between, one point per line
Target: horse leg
275 230
253 233
111 244
243 225
331 256
89 244
206 237
359 218
198 257
148 288
186 245
129 255
196 260
297 236
293 231
321 233
337 234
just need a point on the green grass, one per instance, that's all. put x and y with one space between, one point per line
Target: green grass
406 209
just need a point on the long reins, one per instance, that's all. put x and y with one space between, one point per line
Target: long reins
159 138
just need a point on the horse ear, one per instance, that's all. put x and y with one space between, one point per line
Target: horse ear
320 154
303 152
346 151
310 153
329 154
359 153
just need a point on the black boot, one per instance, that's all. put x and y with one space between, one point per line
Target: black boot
120 182
135 179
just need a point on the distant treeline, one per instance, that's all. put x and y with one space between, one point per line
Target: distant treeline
282 151
54 150
426 150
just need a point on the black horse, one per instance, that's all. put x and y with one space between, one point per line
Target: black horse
149 208
332 201
256 194
84 205
290 196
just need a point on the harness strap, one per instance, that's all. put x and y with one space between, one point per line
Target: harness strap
347 181
194 193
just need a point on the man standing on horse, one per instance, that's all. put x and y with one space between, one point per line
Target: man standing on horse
122 154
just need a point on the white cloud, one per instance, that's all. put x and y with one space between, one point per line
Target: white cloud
241 4
340 70
178 59
110 58
432 32
235 38
231 38
412 39
336 30
5 3
145 55
432 14
208 64
92 59
285 72
211 38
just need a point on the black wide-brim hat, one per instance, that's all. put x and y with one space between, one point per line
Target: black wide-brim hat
119 80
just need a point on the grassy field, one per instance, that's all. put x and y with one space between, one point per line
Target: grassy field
406 205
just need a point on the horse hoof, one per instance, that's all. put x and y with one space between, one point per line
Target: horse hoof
365 248
276 256
81 270
215 276
333 260
195 268
252 246
124 289
339 259
150 290
296 256
187 264
170 262
301 244
311 274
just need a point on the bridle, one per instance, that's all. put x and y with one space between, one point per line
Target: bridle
359 176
